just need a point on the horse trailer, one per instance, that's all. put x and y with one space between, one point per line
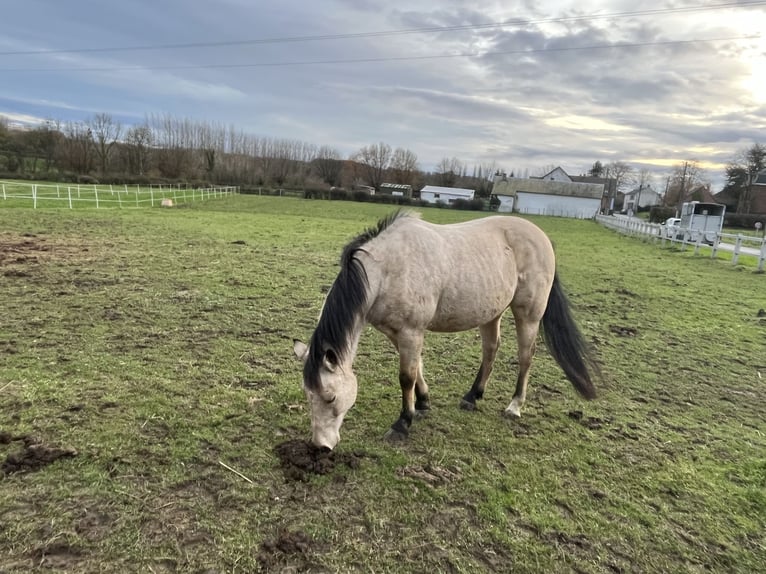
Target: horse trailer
700 217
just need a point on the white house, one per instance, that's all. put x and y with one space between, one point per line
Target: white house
437 194
553 194
642 196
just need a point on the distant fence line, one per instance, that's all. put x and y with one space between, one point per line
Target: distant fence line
107 196
736 244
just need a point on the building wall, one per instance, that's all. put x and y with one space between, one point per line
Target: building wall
548 187
444 197
557 205
506 203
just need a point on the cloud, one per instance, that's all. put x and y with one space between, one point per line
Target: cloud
559 83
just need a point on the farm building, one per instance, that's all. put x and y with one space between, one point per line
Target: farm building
436 194
553 194
642 196
400 189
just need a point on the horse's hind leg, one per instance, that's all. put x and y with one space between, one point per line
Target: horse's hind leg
526 334
422 402
490 341
410 346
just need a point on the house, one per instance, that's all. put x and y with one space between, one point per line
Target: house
437 194
553 194
399 189
642 196
757 196
758 193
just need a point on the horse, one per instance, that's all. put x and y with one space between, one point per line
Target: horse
406 276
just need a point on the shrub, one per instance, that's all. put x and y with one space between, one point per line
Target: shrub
658 213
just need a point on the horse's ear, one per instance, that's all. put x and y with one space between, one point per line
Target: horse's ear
301 350
330 360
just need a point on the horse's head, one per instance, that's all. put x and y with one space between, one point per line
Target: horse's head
330 400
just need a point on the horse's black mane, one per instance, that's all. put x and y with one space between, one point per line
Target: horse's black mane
347 296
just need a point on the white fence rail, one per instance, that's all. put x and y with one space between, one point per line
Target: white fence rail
105 196
737 244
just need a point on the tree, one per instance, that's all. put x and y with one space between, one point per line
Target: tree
138 143
448 170
751 161
597 170
685 177
374 161
328 165
404 164
76 150
105 133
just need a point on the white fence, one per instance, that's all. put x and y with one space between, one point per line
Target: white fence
105 196
738 244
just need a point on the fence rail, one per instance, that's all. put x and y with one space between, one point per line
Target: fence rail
105 196
737 244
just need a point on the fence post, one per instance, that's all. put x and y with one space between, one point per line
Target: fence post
58 191
762 256
34 196
69 193
716 243
151 189
119 198
4 191
95 191
697 243
737 247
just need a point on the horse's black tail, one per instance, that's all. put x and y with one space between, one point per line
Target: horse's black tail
566 343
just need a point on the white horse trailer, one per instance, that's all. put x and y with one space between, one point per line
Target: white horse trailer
701 217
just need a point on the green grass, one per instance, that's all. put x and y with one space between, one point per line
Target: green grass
156 344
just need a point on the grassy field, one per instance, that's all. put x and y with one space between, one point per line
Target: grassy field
143 350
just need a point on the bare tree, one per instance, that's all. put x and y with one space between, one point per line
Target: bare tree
328 165
751 160
138 145
76 151
105 133
374 161
404 164
685 177
449 170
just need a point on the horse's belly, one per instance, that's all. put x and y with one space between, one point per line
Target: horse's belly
460 315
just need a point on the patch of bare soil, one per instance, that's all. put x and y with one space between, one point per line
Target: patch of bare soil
34 456
623 331
19 251
57 556
286 553
430 474
299 459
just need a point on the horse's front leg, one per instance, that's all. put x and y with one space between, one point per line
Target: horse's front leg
410 346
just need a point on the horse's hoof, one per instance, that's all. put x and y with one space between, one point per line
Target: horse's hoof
422 413
512 413
467 405
395 436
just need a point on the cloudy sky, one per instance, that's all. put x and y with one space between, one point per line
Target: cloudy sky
524 84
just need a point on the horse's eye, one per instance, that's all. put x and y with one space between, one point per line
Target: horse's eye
332 400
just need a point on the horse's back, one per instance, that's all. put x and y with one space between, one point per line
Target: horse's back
456 276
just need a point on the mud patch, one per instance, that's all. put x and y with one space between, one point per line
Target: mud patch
300 459
57 556
33 456
431 475
286 553
622 331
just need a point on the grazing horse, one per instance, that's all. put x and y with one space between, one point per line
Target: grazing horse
407 276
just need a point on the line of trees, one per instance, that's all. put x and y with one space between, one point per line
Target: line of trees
164 147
